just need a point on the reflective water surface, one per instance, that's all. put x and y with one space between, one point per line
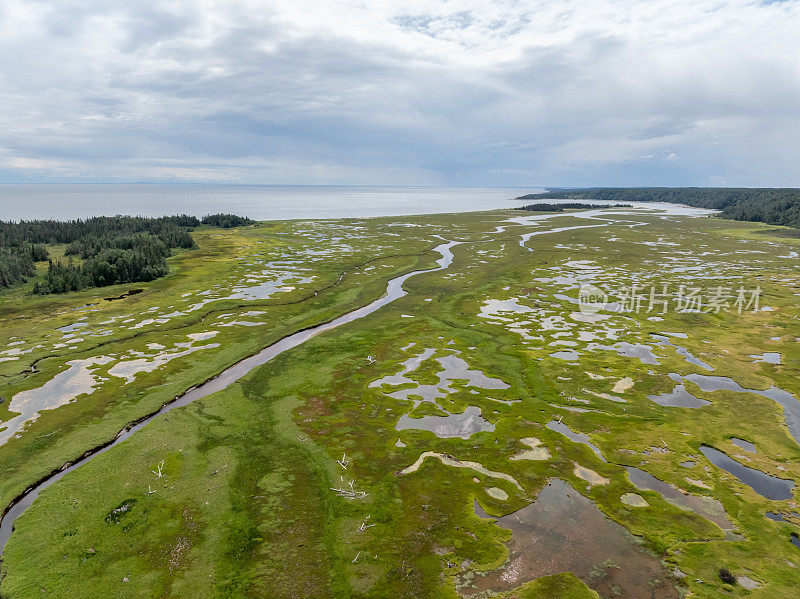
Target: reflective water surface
762 483
564 531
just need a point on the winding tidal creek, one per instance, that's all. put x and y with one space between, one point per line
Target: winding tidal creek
394 291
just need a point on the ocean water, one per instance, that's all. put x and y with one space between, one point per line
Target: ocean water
260 202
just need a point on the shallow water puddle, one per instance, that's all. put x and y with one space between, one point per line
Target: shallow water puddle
454 369
71 328
128 369
462 425
679 397
492 308
767 357
560 427
709 508
681 351
776 516
569 355
78 379
409 366
564 531
762 483
629 350
742 444
791 406
637 350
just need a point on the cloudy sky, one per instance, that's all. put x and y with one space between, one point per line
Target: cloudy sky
421 92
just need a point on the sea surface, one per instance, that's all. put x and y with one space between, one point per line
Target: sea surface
260 202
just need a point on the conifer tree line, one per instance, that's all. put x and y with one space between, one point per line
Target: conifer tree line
543 207
774 206
112 249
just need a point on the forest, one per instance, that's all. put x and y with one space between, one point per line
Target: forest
107 249
567 206
774 206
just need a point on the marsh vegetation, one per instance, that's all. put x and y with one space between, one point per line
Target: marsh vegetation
439 436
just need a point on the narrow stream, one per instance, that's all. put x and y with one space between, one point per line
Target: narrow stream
394 291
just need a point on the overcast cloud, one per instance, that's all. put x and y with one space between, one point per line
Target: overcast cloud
467 92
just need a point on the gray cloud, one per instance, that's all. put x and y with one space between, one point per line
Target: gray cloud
582 92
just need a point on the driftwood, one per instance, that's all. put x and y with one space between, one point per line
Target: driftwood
348 491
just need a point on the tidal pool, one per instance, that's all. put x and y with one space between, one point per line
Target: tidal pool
202 336
454 368
79 379
630 350
775 517
409 366
492 308
679 397
457 368
707 507
560 427
267 289
75 326
681 351
791 406
742 444
569 355
462 425
762 483
128 369
767 357
564 531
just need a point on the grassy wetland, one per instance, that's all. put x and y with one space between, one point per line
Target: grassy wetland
482 435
